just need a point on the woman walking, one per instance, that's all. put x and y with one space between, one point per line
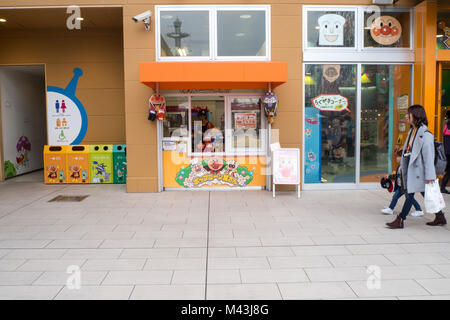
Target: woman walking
447 154
417 165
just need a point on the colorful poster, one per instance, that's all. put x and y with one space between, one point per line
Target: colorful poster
403 102
245 120
331 102
286 166
313 145
66 117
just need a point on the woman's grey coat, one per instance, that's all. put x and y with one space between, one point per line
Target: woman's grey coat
421 163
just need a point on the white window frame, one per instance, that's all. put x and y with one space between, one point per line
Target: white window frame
212 9
357 53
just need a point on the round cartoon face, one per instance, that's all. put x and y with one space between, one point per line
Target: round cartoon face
386 30
75 168
331 72
331 30
215 164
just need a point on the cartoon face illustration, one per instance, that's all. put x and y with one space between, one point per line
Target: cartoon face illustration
52 172
331 72
214 164
23 147
61 175
270 103
232 165
386 30
286 167
198 169
158 103
84 174
311 156
75 172
331 32
100 167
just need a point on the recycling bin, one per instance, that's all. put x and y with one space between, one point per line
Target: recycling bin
101 163
55 164
78 164
120 163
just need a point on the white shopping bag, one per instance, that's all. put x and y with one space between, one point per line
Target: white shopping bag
434 201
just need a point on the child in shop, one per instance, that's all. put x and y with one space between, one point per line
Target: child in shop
398 191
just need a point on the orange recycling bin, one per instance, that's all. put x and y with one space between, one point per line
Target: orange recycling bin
78 164
55 164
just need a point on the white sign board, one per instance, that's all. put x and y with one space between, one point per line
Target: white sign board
286 167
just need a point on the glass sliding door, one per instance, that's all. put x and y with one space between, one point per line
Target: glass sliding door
385 96
329 123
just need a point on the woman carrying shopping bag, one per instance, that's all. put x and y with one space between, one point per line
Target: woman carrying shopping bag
417 165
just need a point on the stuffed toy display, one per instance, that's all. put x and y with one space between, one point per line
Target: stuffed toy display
157 107
270 103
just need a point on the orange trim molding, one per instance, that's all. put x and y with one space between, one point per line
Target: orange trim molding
213 75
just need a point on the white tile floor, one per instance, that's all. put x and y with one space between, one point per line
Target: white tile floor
213 245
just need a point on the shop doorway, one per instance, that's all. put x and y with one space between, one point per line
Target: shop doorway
443 97
23 132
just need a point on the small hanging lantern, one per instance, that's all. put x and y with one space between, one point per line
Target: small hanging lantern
270 103
157 107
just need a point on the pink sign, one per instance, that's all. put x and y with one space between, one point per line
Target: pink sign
286 166
245 120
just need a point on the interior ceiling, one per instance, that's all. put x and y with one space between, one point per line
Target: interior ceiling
34 70
55 18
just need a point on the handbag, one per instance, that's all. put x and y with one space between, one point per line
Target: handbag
434 201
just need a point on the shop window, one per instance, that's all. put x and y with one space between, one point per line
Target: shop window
208 124
443 30
177 116
334 29
330 116
241 33
184 33
205 33
246 124
388 29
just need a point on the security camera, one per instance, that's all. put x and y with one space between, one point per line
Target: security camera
144 17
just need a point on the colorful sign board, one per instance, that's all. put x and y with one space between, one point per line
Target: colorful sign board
286 166
330 102
66 117
245 120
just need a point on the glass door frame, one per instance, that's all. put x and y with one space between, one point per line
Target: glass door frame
357 185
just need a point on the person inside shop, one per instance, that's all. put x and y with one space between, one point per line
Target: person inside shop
205 144
417 165
446 134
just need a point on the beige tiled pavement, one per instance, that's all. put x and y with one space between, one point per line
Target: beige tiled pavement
213 245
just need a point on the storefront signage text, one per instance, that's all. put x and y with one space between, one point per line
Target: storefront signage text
331 102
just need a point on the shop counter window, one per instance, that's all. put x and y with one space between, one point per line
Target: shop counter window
443 30
177 115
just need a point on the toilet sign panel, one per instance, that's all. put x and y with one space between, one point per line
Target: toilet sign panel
66 117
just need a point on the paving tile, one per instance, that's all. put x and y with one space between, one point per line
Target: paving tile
18 278
317 290
435 286
96 293
49 265
298 262
180 243
238 263
443 269
242 242
28 292
222 252
417 258
243 292
359 260
138 277
192 253
223 276
320 250
375 249
433 297
264 252
175 264
273 275
189 277
72 244
336 240
113 264
92 254
23 244
285 241
169 292
389 288
426 247
108 235
393 238
149 253
54 278
133 243
35 254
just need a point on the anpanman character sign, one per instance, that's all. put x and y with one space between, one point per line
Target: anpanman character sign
386 30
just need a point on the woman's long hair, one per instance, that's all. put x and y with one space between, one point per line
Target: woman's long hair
418 114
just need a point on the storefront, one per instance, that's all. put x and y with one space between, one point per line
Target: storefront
343 76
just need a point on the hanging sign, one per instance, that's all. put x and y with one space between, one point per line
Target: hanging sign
158 104
270 103
331 102
245 120
66 118
331 30
386 30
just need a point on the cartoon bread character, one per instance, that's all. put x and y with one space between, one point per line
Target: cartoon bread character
331 30
386 30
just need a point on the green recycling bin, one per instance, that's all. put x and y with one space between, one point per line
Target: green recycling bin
120 163
101 163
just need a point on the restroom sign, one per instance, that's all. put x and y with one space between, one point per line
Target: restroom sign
330 102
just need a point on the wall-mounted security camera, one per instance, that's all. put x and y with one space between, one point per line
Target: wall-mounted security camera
144 17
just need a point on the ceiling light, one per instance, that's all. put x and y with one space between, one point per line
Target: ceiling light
245 16
80 19
240 34
317 27
2 20
167 16
438 36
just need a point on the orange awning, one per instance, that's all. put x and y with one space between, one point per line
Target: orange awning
213 75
